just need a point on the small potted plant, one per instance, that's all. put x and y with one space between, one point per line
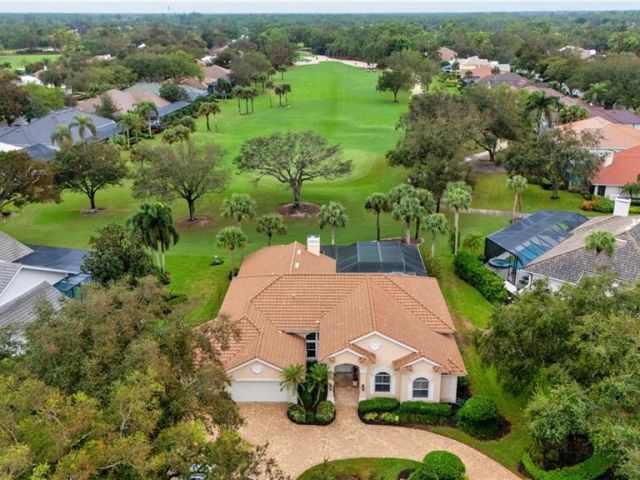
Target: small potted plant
354 376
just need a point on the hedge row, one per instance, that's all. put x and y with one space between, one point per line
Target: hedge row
324 414
590 469
378 405
471 270
389 410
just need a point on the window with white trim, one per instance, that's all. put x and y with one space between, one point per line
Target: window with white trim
382 382
311 340
420 388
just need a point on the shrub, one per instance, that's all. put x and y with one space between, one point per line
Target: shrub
479 417
634 210
472 271
590 469
296 413
587 205
603 205
390 418
440 465
370 417
325 413
424 413
378 404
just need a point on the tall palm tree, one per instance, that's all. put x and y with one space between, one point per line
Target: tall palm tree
269 86
83 123
596 91
231 239
428 204
239 207
436 224
319 376
407 210
179 133
238 92
130 122
252 93
600 241
146 109
540 106
518 184
334 215
377 203
207 109
270 225
154 222
401 190
472 242
292 377
457 196
62 136
282 90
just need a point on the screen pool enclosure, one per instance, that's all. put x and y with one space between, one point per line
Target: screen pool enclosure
518 244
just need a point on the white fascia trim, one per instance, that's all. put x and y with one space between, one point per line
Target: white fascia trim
254 380
347 350
256 359
47 269
392 340
423 359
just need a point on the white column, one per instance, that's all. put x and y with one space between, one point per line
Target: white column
363 384
330 390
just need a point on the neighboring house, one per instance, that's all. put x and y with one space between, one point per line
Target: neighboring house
212 75
392 333
28 273
583 53
510 79
124 100
154 88
619 170
569 262
376 257
612 137
446 54
39 131
615 115
25 79
474 64
5 147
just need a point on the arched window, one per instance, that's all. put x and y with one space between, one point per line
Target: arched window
420 388
382 382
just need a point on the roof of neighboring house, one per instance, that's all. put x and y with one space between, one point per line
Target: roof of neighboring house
11 249
154 88
5 147
481 71
473 61
67 260
624 168
376 257
614 115
212 74
284 289
124 100
612 136
570 261
8 271
41 152
172 108
22 310
507 78
39 131
447 54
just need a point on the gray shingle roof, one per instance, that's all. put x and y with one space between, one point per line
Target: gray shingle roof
11 249
570 261
39 130
22 310
173 107
7 272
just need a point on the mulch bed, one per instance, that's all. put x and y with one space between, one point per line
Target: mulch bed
91 211
200 221
306 210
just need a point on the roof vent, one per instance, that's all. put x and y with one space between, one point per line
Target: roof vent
313 244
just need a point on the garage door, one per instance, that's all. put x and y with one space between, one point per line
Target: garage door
252 391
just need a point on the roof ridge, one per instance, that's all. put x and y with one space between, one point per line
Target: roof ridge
370 304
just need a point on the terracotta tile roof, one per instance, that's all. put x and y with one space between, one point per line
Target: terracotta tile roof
124 100
625 168
449 365
271 300
446 54
612 136
482 71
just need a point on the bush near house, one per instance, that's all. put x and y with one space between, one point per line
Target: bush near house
470 269
325 414
591 469
603 205
440 465
378 405
479 417
424 413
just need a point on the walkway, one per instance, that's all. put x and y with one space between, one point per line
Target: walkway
297 448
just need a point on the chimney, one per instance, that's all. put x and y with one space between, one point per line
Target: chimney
621 206
313 244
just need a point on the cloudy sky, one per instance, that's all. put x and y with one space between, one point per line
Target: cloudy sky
326 6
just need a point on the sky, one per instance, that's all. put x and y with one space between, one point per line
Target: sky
314 6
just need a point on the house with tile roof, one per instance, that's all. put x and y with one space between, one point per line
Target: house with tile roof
611 137
446 54
617 171
391 333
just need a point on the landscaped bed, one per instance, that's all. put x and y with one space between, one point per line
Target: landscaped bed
361 468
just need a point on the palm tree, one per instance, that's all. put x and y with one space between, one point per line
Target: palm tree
281 69
401 190
155 224
179 133
457 196
280 90
269 86
518 184
252 93
632 189
270 225
539 106
407 210
130 122
207 109
83 123
427 202
292 377
62 136
319 376
436 224
238 92
231 239
600 241
377 203
472 242
146 109
334 215
595 92
239 207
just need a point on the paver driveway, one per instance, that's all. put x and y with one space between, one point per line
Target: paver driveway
299 447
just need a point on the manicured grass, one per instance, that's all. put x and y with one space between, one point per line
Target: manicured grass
19 61
384 468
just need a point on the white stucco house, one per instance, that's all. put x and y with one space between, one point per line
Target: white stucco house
390 334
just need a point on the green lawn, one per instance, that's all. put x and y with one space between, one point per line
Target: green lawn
385 468
19 61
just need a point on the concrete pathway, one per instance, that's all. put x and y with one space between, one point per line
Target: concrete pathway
298 447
